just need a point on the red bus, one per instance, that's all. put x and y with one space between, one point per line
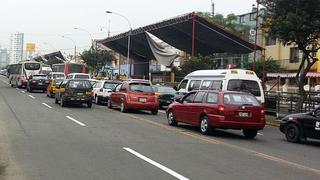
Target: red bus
68 68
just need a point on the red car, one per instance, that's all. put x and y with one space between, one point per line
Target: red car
134 95
219 109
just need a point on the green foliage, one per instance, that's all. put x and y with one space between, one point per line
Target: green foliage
229 22
271 67
96 59
195 63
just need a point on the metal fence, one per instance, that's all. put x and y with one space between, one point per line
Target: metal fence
281 103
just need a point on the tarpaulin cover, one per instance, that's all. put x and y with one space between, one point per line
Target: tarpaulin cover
163 54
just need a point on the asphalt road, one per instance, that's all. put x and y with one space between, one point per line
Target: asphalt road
41 140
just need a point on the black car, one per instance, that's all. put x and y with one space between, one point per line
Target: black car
37 82
165 94
74 91
300 126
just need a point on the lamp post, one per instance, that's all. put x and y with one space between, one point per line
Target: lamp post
129 36
81 29
75 46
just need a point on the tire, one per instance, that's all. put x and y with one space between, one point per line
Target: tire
123 107
56 101
62 103
97 100
89 104
172 119
205 126
30 90
250 133
109 104
293 133
154 112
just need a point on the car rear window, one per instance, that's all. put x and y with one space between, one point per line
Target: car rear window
81 76
32 66
109 85
80 84
164 90
58 76
240 99
58 82
245 86
141 87
39 76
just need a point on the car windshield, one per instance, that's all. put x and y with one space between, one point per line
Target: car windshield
39 76
141 87
81 76
58 76
80 84
109 85
240 99
164 90
32 66
245 86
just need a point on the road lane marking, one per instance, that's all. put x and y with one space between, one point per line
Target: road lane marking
47 105
78 122
213 141
17 88
158 165
162 111
32 96
260 134
23 92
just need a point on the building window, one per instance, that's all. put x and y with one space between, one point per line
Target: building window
253 16
270 41
294 55
241 19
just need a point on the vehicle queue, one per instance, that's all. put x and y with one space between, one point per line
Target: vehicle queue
208 99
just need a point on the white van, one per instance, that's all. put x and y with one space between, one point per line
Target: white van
222 79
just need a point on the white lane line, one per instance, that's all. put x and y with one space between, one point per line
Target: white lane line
23 92
17 88
47 105
78 122
260 134
167 170
32 96
162 111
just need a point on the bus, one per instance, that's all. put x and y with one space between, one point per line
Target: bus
68 68
46 69
19 73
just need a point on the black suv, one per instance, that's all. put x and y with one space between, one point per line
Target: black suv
37 82
74 91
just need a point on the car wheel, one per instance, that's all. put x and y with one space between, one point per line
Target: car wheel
293 133
250 133
154 112
56 100
89 104
171 119
97 100
205 126
62 103
109 104
123 108
30 90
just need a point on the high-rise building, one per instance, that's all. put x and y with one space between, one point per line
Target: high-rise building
16 48
4 59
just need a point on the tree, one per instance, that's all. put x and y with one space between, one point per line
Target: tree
271 66
96 59
296 22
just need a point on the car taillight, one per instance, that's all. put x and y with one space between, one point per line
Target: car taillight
33 82
262 113
101 90
47 82
221 110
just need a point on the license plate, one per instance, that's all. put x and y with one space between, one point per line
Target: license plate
243 114
79 93
143 100
40 83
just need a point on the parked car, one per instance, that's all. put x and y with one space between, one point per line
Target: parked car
73 91
37 82
55 75
134 95
51 89
210 109
102 90
78 76
297 127
165 94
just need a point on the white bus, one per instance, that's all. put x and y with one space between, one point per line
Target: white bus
223 79
19 73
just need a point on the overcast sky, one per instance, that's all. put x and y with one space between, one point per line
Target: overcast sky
45 21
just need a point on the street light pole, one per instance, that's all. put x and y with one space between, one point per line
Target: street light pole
129 40
75 46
